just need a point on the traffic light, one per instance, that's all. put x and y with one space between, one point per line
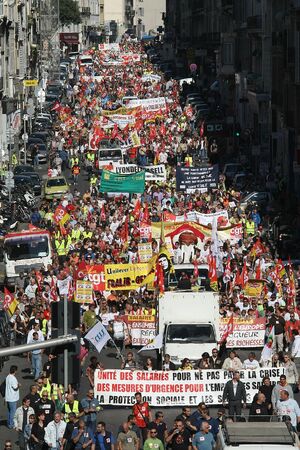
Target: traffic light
57 314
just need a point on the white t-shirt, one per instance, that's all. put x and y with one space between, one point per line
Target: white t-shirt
11 395
251 365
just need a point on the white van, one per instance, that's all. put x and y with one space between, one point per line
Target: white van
86 60
106 156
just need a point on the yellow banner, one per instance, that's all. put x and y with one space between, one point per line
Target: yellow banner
29 83
254 288
123 110
124 277
84 292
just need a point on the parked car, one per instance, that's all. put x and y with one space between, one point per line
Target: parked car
31 179
42 153
23 169
260 199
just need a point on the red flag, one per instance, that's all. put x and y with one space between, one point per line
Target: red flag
115 131
228 331
163 129
39 279
196 269
124 231
8 298
71 291
102 214
244 275
258 271
137 210
53 291
139 124
212 272
238 279
57 106
152 133
159 278
146 217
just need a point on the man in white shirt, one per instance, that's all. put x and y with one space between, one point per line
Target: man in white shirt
251 363
54 432
288 407
12 395
36 328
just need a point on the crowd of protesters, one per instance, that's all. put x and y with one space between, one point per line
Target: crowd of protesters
106 230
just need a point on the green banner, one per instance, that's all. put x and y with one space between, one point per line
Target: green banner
114 182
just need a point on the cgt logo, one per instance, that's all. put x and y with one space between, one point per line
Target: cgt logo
95 275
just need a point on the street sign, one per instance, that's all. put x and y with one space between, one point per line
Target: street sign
25 116
29 83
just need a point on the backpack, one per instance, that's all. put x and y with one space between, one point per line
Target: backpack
2 388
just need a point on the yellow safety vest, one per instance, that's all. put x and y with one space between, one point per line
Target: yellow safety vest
55 387
76 234
49 216
57 235
46 388
60 247
74 410
250 227
87 234
44 326
93 181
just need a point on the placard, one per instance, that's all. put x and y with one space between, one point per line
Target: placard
174 388
141 329
84 292
152 173
145 251
189 179
247 333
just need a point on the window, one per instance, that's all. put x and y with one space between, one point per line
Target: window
141 12
227 53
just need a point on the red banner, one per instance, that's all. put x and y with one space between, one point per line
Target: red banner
94 273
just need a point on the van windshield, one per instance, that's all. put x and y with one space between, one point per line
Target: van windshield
190 333
28 247
104 155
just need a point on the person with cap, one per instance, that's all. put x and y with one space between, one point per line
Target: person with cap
283 384
287 406
235 394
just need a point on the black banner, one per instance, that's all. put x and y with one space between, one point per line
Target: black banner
192 178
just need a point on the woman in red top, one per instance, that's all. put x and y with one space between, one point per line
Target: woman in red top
142 413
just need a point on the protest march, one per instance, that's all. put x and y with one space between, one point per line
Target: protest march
148 227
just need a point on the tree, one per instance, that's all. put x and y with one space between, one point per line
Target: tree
69 12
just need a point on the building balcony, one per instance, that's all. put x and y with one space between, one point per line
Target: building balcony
85 11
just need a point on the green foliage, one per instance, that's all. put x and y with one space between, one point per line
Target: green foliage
69 12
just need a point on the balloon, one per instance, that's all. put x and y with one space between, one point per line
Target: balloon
193 67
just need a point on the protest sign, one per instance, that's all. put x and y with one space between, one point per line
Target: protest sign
125 276
189 179
84 292
149 104
254 288
93 273
61 216
152 173
112 182
247 333
174 388
141 329
204 219
145 231
145 251
111 46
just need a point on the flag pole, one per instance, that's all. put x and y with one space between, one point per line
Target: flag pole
119 353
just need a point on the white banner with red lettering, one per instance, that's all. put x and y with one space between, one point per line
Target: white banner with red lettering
141 329
174 388
247 333
149 104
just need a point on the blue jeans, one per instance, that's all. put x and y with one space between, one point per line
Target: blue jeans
11 409
36 360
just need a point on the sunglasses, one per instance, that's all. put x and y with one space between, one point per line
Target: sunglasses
153 432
